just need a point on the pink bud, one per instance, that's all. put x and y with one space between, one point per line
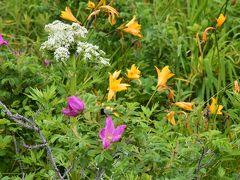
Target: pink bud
75 106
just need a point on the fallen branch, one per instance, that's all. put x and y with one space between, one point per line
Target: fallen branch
35 146
30 124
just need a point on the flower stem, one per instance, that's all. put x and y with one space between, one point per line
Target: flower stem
73 78
151 97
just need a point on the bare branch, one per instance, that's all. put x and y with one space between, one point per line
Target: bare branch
17 118
17 152
50 155
67 171
30 124
35 146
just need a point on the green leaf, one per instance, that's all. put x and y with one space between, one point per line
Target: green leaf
29 176
221 171
99 158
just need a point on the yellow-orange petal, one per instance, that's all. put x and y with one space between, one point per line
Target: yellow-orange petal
112 19
91 5
115 84
110 9
170 118
67 15
111 93
112 13
116 74
185 105
236 87
94 13
132 27
101 3
116 114
170 94
220 20
163 77
215 108
133 73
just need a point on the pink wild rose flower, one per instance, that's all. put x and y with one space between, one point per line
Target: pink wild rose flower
2 41
75 106
110 134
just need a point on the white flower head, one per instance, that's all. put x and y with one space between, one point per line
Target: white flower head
64 38
63 35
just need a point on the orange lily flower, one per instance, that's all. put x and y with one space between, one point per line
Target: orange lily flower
132 27
220 20
170 118
115 85
133 73
214 107
163 77
67 15
185 105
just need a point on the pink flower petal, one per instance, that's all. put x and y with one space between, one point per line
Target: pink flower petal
2 41
102 133
117 134
68 112
109 126
75 103
106 143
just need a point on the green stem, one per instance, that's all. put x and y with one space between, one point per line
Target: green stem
225 8
73 77
220 61
151 97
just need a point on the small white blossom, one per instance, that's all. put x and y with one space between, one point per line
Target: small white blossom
61 54
88 56
79 31
104 61
91 52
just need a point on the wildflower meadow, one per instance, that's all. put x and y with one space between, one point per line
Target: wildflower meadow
120 89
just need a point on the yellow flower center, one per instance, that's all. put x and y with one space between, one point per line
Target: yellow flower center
109 137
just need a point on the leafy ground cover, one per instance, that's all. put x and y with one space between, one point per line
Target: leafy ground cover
137 89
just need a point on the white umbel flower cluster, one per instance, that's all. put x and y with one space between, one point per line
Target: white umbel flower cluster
91 52
64 38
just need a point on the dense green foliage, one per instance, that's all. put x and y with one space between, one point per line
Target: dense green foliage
200 146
